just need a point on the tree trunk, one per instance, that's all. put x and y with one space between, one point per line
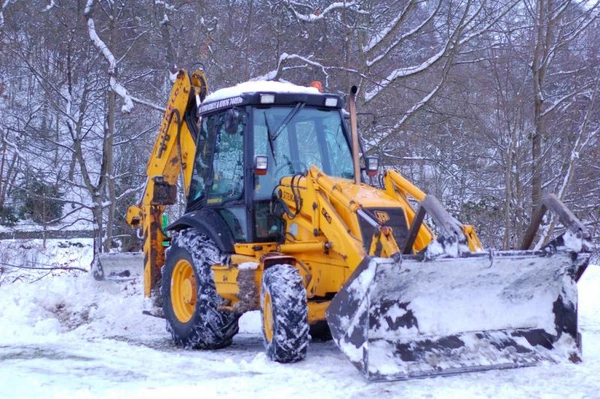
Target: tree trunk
110 180
108 146
508 195
98 228
538 102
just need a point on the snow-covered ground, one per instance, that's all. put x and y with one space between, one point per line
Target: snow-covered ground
68 336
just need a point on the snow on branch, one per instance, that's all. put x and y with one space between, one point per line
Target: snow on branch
112 62
130 190
49 6
88 7
590 16
467 28
320 14
283 59
489 23
560 101
275 73
583 139
4 6
569 72
419 105
411 112
14 147
381 36
167 5
405 72
383 33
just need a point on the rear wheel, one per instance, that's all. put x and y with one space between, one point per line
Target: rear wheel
284 313
190 299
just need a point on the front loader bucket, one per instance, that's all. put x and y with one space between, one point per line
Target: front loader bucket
411 319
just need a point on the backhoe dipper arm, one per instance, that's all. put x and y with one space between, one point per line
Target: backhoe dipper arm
173 152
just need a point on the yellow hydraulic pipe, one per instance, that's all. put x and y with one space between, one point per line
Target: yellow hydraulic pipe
302 247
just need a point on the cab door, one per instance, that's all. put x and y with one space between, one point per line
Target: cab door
218 175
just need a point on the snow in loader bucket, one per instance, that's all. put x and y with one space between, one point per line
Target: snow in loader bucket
412 319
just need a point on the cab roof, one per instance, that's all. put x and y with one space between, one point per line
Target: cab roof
251 93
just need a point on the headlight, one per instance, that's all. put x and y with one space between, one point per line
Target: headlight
331 102
267 98
261 165
372 164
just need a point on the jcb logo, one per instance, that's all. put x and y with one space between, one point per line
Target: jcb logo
326 215
382 216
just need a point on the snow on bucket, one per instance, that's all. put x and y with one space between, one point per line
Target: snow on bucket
410 319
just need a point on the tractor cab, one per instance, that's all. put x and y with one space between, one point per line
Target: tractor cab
251 136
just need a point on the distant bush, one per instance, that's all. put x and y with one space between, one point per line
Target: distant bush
41 202
8 216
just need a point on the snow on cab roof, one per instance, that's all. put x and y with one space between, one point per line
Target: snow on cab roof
259 86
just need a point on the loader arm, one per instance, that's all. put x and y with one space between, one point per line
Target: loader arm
398 186
325 206
172 154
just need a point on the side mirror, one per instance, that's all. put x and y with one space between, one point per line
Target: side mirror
261 165
372 166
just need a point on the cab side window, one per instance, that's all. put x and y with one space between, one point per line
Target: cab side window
203 159
218 167
228 162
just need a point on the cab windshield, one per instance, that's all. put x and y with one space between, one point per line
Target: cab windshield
294 138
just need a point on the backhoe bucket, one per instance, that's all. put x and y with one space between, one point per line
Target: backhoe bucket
406 319
118 266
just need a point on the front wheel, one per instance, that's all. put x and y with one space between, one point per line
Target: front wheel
284 313
191 303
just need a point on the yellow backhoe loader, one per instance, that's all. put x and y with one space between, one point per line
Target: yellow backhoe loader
278 218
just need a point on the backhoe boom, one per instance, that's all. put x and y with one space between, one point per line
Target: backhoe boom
173 152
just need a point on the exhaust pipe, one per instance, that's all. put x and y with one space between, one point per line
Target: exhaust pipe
354 133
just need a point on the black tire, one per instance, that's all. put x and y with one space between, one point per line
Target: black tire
284 313
207 327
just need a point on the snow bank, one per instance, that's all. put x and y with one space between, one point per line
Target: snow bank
26 260
76 305
40 305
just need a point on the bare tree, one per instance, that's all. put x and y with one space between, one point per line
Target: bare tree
557 25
